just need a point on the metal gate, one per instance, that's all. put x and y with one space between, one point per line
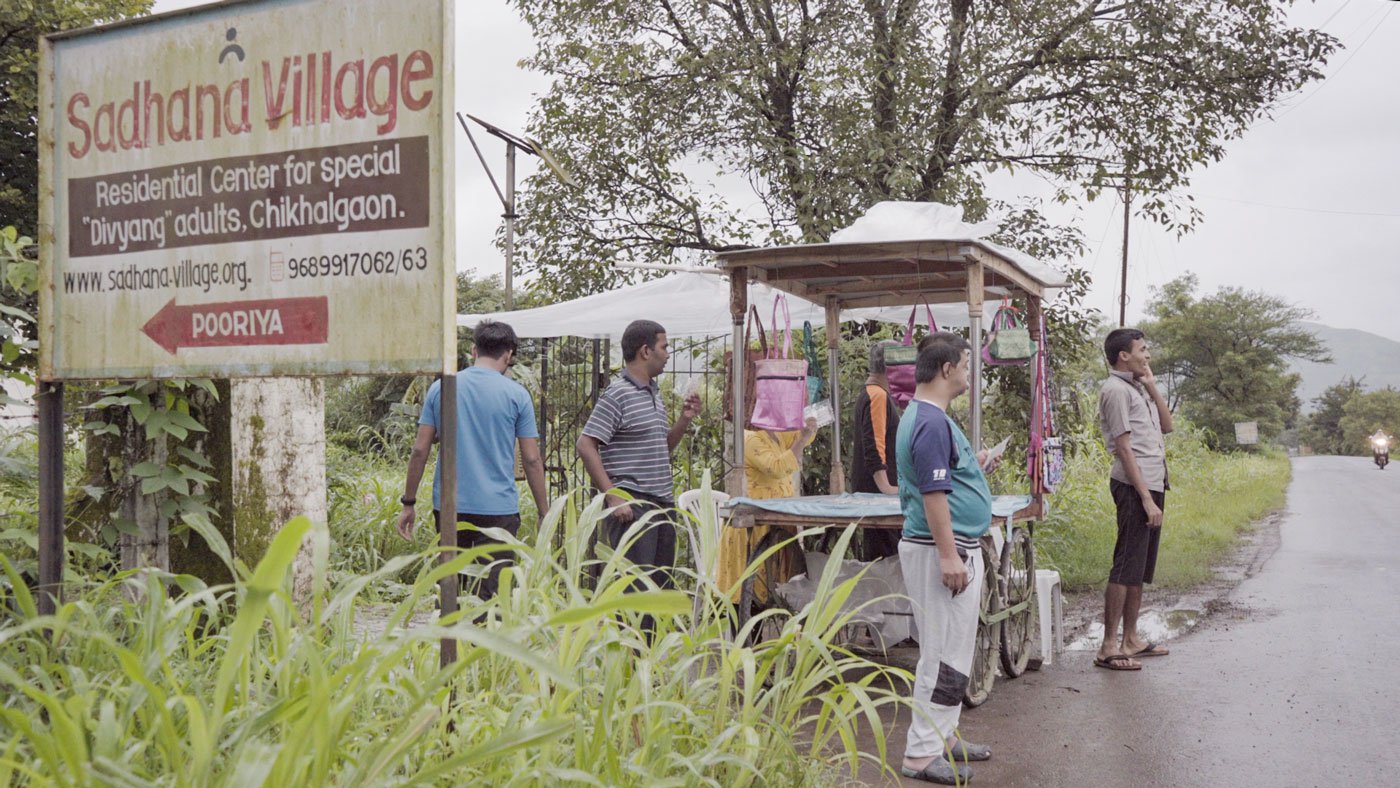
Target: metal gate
573 371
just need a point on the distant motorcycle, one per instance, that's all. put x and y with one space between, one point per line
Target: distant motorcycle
1380 450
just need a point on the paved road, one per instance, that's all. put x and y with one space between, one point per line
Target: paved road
1293 683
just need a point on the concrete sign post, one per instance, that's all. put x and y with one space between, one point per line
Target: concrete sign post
258 188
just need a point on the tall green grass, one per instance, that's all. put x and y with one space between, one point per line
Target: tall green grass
555 684
1214 497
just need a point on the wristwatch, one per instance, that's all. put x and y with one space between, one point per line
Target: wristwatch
407 501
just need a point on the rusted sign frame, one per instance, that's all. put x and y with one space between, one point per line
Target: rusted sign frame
50 386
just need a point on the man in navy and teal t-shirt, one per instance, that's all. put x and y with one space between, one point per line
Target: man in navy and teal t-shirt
493 414
947 508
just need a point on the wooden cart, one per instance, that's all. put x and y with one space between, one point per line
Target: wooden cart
902 273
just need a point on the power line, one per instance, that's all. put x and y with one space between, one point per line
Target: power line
1301 209
1333 15
1352 54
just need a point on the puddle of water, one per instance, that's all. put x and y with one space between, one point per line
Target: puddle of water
1154 625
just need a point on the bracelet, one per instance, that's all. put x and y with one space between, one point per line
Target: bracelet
407 501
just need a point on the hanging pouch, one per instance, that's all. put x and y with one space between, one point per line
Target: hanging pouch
751 356
901 359
1009 342
780 390
816 383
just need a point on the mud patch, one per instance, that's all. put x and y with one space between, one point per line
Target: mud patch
1168 614
1155 626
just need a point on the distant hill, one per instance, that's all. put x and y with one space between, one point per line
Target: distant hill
1359 354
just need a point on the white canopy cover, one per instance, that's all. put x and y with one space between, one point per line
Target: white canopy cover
697 304
687 305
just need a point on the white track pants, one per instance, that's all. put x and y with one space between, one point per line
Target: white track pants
947 632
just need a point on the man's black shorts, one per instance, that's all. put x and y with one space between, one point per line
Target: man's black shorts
1135 552
471 537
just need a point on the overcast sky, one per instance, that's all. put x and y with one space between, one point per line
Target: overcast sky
1306 206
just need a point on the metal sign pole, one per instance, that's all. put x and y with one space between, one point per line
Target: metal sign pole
50 401
447 511
510 217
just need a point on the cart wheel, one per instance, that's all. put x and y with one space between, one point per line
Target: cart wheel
757 593
984 656
1017 584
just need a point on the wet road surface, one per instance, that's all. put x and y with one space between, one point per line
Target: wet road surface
1291 682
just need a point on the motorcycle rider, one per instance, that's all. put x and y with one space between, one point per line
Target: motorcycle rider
1380 449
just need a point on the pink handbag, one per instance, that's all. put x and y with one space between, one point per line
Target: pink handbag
900 361
780 382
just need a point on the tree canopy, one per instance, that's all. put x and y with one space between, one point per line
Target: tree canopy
21 24
1225 356
1366 413
1323 431
665 109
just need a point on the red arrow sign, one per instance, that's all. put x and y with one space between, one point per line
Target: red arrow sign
273 321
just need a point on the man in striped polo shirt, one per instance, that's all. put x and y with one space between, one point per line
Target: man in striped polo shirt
947 508
626 445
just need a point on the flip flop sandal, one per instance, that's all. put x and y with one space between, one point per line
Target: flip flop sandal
1116 662
966 751
940 771
1153 650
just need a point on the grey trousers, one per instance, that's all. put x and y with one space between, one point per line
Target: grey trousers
947 632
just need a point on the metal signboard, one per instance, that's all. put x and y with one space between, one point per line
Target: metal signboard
248 189
1246 433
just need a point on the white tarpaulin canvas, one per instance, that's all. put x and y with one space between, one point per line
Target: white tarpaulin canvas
931 221
687 305
697 304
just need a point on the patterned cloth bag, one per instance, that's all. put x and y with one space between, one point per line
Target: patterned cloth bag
816 382
751 356
1009 342
900 360
780 381
1045 456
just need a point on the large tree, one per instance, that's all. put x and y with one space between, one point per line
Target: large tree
1366 413
665 110
22 22
1323 431
1225 356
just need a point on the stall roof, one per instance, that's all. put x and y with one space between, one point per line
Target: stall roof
893 273
896 253
687 304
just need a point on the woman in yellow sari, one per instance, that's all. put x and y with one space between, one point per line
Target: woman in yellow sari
770 461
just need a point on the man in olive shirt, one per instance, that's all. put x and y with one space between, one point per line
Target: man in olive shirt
1134 416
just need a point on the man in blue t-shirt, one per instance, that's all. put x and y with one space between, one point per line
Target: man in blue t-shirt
947 508
493 412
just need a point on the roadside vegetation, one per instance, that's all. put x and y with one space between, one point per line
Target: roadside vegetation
555 681
1214 498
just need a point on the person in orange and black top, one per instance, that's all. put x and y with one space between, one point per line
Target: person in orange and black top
872 462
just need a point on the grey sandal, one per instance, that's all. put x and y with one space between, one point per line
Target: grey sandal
940 771
967 751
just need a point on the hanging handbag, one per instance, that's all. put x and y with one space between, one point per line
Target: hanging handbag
780 381
1045 454
1009 342
816 383
901 359
751 356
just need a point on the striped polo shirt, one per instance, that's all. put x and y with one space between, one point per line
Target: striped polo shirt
631 424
